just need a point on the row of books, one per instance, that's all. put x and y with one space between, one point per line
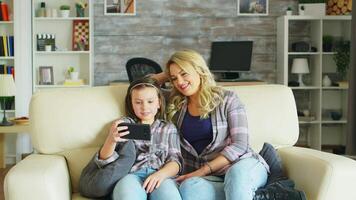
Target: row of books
7 45
7 70
4 11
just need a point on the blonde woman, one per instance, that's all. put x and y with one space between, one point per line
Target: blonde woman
218 161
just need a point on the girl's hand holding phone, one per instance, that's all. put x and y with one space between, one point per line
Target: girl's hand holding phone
116 132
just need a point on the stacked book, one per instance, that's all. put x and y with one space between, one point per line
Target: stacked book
69 82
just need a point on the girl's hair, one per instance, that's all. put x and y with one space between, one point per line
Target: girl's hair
210 95
140 84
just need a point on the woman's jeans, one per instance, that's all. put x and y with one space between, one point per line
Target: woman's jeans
130 188
240 182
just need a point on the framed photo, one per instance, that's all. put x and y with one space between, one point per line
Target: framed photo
80 40
46 75
252 7
119 7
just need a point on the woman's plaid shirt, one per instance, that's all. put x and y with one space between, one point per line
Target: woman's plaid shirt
230 136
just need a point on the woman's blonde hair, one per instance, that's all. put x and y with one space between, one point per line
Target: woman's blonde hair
210 95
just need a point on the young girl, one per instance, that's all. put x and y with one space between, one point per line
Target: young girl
156 160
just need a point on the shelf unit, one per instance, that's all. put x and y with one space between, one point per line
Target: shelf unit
320 130
64 56
7 29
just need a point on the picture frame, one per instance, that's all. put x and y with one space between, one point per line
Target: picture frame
252 7
46 75
120 7
80 35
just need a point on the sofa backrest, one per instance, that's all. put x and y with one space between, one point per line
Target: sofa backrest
74 122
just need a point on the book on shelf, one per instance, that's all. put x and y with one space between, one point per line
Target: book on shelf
69 82
7 45
343 84
4 11
7 70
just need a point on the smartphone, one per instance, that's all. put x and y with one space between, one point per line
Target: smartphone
137 131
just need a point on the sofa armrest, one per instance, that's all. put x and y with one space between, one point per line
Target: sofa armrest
38 177
321 175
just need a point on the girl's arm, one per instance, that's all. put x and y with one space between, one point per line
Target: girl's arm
154 180
113 137
173 161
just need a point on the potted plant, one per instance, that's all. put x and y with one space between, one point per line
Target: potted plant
80 7
342 59
289 11
74 75
313 7
328 43
64 10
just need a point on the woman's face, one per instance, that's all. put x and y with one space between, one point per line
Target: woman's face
145 104
186 82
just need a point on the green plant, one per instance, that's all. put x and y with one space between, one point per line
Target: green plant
81 5
70 69
328 39
289 8
342 58
312 1
302 8
64 7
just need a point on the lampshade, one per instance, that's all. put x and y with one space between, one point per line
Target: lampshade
7 85
300 66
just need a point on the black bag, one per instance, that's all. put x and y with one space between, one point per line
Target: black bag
96 182
279 190
278 186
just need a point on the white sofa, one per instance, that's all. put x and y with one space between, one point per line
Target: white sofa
69 125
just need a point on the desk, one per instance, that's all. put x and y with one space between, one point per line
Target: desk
17 128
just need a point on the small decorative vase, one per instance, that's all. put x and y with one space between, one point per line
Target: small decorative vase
288 12
326 81
80 12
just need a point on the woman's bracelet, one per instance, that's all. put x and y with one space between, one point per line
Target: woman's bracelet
211 170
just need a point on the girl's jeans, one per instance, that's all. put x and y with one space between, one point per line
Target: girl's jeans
130 188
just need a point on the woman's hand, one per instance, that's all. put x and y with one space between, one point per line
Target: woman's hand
116 132
154 181
199 172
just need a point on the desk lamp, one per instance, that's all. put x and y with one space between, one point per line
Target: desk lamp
7 89
300 67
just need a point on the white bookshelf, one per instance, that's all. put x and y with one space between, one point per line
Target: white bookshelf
7 29
318 99
64 56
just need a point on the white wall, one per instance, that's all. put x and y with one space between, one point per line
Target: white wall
16 145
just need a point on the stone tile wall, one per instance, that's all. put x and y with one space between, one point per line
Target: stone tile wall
161 27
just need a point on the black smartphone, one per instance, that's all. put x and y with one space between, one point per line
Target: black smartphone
137 131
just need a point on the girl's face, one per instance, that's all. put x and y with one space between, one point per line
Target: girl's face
145 104
186 82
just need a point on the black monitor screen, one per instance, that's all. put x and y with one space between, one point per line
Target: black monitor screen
231 56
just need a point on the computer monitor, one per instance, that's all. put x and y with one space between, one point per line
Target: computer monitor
231 57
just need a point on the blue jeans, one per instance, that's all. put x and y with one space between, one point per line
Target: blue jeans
130 187
240 182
